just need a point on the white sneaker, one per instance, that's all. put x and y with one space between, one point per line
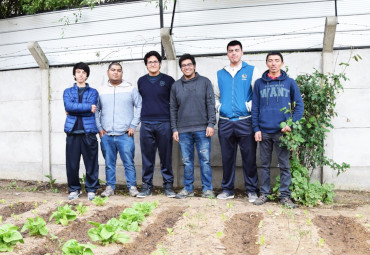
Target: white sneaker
133 191
252 197
74 195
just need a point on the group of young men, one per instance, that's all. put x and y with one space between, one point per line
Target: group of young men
184 111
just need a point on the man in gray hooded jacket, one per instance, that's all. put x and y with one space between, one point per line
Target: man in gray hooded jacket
193 116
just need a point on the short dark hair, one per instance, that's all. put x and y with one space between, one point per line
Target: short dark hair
185 57
114 64
233 43
83 66
273 53
150 54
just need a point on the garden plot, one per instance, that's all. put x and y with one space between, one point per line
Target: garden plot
198 226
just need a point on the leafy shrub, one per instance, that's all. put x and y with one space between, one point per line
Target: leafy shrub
36 226
9 237
64 215
107 233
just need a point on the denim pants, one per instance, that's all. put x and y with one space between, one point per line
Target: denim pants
203 147
153 136
125 145
87 146
266 146
231 134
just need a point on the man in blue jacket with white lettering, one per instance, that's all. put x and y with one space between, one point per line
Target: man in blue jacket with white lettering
274 91
80 105
233 102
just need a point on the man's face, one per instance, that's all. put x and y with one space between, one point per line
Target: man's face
274 63
153 65
80 76
115 74
187 68
234 53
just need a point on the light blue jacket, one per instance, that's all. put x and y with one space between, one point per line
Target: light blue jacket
234 92
118 108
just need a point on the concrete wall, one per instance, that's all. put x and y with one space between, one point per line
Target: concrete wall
20 130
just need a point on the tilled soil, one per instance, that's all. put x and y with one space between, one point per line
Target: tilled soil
199 226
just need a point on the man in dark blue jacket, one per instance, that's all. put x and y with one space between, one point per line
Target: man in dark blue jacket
80 105
155 130
274 91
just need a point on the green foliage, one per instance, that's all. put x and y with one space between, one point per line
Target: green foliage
100 201
9 237
64 215
81 209
51 182
107 233
36 226
146 207
72 247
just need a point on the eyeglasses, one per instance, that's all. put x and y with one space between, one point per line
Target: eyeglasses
153 62
187 65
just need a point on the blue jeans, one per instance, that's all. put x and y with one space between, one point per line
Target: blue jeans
203 146
125 145
282 153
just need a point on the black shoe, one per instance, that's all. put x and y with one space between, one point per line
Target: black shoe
169 192
144 193
287 202
261 200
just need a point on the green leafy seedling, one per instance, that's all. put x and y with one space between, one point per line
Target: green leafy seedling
100 201
1 219
64 215
9 237
81 209
72 247
36 226
229 205
321 242
2 201
107 233
219 234
260 225
261 241
308 222
170 231
360 216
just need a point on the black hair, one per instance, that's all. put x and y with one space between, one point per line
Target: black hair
185 57
114 64
83 66
234 43
273 53
150 54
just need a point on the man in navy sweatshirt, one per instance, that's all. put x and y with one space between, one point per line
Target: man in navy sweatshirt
155 131
274 91
193 117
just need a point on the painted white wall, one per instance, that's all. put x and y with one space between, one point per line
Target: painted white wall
20 107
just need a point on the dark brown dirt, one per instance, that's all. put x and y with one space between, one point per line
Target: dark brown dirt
148 239
77 230
242 229
343 235
7 210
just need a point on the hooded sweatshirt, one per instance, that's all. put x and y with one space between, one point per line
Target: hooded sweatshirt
192 105
115 110
269 96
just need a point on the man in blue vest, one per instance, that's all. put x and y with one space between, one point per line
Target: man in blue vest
234 102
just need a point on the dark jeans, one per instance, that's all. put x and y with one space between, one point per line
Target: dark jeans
231 134
153 136
266 146
87 146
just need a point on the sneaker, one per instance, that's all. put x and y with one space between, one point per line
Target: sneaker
208 194
108 192
169 192
144 193
287 202
74 195
252 197
261 200
90 195
133 191
225 195
184 194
